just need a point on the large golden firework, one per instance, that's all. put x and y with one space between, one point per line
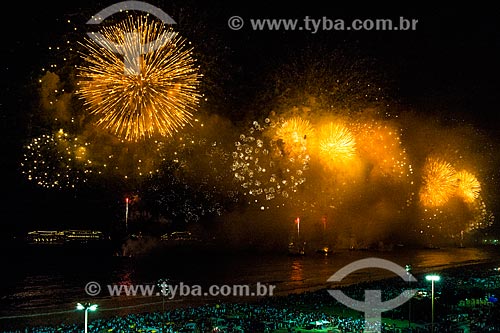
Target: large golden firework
139 79
439 182
336 143
468 186
294 134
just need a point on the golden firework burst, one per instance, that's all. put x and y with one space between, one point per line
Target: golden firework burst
139 79
468 186
439 182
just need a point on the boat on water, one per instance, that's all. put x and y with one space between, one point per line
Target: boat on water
317 242
61 241
61 237
296 248
325 250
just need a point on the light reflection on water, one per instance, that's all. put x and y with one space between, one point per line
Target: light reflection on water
296 273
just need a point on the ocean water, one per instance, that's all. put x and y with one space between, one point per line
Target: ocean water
41 288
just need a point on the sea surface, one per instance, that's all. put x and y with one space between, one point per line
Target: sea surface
38 288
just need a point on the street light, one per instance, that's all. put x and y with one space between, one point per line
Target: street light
163 284
87 307
408 269
432 278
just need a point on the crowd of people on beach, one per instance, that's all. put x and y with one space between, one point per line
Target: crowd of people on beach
225 317
465 302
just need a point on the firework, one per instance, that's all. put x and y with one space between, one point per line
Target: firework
263 169
134 160
199 156
139 80
468 187
57 161
482 217
192 181
454 219
294 134
179 200
451 201
439 182
337 144
380 145
335 166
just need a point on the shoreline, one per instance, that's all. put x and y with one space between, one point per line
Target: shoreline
131 307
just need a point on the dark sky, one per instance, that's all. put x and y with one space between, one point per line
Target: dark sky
450 64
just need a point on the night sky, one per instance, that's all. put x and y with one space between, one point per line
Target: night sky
448 68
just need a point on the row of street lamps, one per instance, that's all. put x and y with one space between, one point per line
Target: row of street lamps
163 283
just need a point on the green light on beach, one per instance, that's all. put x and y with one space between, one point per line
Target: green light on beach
432 277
